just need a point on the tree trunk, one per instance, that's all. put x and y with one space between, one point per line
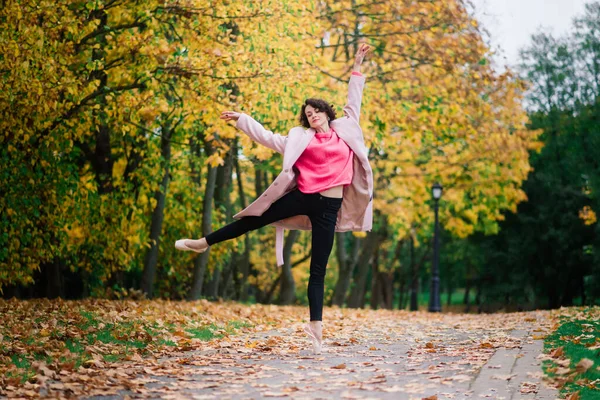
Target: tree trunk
242 271
54 283
553 297
467 300
151 259
387 286
582 290
226 291
201 261
401 277
346 267
416 267
102 159
222 202
478 295
288 286
231 266
244 268
357 294
265 297
212 284
414 287
375 283
402 291
343 264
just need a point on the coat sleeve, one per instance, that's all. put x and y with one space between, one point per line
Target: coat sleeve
259 134
355 91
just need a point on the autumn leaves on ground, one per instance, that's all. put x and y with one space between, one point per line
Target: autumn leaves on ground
71 349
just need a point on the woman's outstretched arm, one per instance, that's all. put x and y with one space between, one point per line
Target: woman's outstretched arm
356 85
256 131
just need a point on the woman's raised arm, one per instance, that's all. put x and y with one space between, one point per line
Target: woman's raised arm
256 131
356 85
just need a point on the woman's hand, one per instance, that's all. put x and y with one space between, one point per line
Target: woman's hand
230 115
360 55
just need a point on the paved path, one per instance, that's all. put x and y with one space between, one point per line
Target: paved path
397 360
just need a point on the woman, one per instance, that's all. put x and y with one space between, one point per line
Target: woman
326 186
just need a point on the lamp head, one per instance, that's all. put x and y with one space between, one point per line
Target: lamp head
436 191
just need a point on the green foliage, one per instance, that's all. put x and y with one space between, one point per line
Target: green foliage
547 253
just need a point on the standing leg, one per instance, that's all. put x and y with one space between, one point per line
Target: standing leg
323 229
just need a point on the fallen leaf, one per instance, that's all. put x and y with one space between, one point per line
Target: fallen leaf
583 365
392 389
460 378
274 394
340 366
558 352
574 396
503 377
528 387
562 371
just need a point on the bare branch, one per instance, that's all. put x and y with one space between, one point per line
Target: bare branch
190 11
98 32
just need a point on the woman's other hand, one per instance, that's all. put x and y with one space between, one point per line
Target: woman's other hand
360 55
230 115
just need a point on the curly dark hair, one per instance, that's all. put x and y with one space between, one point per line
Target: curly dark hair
319 105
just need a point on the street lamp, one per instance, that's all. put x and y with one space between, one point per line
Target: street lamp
434 295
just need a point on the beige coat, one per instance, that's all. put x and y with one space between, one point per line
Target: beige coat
356 213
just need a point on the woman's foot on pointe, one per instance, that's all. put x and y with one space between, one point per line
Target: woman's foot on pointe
314 329
199 246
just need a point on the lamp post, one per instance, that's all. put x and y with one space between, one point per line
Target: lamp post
434 295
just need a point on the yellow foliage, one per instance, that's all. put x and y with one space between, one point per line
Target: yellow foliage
433 110
587 215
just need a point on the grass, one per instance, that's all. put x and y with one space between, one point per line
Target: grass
206 333
211 331
579 338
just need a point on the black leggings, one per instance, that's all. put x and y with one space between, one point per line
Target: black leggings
322 212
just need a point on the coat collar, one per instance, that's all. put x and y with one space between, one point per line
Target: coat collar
342 133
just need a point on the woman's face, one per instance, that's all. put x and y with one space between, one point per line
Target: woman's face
316 118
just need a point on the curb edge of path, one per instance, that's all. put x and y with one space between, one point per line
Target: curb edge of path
508 371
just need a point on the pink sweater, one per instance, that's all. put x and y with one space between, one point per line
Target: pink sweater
326 163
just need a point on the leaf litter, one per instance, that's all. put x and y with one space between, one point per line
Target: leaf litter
68 349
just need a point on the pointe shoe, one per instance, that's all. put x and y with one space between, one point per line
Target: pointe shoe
180 245
317 345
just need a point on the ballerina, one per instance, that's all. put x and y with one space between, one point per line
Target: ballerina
326 186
